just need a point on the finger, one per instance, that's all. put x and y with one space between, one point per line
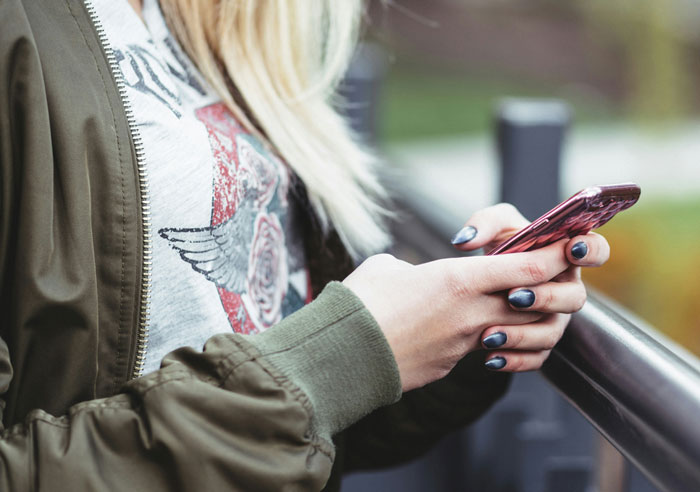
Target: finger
504 272
591 250
571 274
550 297
514 361
491 310
538 336
495 310
491 224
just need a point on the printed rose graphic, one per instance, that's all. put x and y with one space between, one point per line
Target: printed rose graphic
257 175
267 268
243 249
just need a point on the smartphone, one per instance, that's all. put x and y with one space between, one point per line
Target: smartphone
586 210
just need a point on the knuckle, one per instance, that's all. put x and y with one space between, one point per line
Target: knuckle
470 326
545 298
576 299
580 300
551 340
516 338
543 358
515 364
506 207
378 261
476 216
498 210
534 271
457 284
448 362
381 258
511 211
455 352
443 373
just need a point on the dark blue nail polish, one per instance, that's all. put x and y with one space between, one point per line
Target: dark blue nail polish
465 235
523 298
495 340
579 250
495 363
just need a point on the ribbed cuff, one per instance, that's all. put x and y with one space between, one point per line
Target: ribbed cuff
336 353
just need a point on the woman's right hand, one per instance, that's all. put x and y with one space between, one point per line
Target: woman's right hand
433 314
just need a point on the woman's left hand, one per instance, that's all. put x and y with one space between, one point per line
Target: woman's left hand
526 347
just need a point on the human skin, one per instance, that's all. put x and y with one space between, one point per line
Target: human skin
435 313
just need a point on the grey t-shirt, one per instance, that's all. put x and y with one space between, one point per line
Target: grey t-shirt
227 252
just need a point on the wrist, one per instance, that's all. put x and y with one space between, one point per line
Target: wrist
334 350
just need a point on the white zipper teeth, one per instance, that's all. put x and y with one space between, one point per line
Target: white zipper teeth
142 337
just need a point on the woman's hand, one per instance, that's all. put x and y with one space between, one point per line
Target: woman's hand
434 314
526 347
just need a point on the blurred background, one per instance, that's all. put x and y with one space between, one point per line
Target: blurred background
629 69
431 79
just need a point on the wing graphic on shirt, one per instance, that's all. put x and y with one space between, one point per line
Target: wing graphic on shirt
220 252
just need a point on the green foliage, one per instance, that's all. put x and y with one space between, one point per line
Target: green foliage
420 102
654 268
655 57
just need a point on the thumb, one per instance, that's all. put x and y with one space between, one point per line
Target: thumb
489 225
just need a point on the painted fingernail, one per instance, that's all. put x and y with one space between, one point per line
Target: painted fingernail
495 363
579 250
465 235
523 298
495 340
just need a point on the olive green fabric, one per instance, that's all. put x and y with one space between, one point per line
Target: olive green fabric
70 233
70 274
397 433
222 419
339 359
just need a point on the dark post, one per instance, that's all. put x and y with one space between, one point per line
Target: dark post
360 90
545 448
530 134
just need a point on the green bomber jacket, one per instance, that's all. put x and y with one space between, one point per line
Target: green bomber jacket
290 409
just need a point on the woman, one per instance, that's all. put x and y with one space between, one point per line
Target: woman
142 191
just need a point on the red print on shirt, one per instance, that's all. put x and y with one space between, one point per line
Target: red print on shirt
243 249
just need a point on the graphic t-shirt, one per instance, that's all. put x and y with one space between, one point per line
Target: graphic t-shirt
227 252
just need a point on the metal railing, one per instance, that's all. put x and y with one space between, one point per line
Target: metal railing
638 389
641 391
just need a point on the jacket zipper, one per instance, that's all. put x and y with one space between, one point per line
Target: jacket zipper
147 259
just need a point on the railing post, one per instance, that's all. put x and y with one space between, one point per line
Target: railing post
548 446
530 135
360 91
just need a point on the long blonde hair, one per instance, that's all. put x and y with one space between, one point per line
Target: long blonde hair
276 65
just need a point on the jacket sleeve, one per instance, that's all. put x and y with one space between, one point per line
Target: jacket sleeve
227 418
402 431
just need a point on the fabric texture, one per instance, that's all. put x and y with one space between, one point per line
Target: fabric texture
224 419
317 354
71 262
227 248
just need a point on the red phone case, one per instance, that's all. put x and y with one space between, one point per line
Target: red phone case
586 210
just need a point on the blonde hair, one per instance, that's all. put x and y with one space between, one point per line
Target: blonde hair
276 65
